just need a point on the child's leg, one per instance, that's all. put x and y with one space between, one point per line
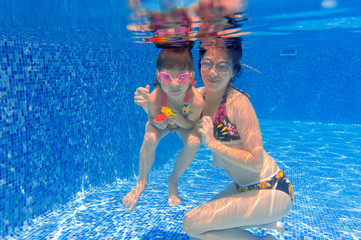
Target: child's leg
192 142
146 158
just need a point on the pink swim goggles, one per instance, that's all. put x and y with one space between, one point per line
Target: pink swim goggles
167 77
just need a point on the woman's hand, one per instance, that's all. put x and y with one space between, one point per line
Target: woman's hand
141 96
205 129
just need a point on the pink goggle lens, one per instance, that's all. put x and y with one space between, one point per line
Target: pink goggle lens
167 77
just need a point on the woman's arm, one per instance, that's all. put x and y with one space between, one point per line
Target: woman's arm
241 113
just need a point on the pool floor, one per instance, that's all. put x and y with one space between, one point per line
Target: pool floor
321 160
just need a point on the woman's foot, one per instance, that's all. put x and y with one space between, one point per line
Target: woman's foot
269 237
274 226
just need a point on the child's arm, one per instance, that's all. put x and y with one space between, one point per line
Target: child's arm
189 121
154 107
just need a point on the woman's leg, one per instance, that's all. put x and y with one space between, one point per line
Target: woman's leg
224 218
231 190
151 139
192 142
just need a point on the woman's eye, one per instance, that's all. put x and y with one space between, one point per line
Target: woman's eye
207 64
222 67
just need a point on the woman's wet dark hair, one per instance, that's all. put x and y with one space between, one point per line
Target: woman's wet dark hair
233 48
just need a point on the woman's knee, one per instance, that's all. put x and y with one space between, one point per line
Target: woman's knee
198 220
284 203
189 226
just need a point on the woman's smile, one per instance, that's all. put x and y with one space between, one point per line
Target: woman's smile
213 80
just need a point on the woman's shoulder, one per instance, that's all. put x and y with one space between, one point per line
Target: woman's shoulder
238 96
239 105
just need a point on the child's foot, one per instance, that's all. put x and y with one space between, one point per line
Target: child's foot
131 199
173 199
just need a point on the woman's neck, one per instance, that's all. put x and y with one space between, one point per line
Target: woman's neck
214 96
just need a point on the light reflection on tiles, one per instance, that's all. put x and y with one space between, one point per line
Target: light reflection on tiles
326 199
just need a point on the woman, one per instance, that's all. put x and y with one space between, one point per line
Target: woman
260 193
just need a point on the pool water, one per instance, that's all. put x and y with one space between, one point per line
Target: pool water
70 132
321 160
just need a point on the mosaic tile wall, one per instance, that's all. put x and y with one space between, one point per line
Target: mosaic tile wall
67 123
319 83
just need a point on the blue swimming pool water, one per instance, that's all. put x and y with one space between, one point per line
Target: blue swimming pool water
70 133
325 180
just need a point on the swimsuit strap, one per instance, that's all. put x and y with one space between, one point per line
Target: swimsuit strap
239 90
223 129
186 104
164 99
223 100
224 97
186 97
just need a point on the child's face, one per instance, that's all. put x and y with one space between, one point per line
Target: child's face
175 82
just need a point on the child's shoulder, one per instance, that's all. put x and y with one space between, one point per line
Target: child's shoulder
197 97
201 90
155 95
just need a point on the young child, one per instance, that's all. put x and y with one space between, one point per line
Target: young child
174 106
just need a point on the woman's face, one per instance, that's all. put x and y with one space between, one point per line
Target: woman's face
216 69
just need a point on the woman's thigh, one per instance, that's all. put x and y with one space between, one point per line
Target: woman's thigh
251 208
229 191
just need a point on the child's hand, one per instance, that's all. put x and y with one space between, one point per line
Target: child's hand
174 119
141 96
161 125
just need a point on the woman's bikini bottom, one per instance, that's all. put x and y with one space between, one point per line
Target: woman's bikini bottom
277 182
